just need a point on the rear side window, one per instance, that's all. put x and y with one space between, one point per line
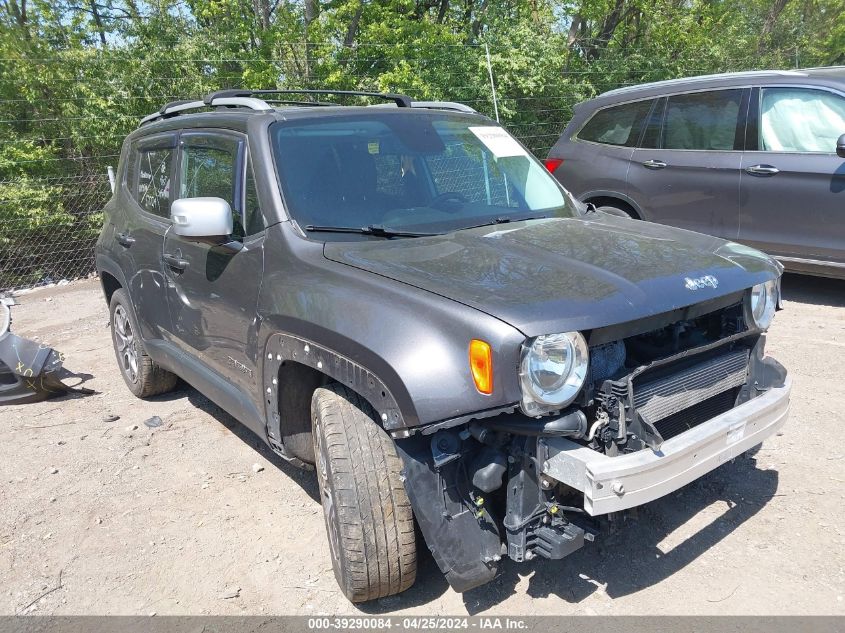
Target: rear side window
150 178
617 125
702 120
800 120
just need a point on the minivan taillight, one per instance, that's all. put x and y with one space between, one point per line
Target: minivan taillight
552 164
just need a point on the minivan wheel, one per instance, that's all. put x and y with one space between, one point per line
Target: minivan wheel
142 376
368 515
622 213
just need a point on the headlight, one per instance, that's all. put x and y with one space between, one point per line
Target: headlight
760 304
552 371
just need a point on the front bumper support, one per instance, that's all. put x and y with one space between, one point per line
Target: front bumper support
617 483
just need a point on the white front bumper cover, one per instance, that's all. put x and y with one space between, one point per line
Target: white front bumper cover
616 483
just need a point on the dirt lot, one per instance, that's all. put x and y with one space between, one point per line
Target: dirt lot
113 517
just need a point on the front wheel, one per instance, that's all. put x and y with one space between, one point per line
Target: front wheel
368 515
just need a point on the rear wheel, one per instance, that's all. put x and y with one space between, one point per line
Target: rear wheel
143 376
368 516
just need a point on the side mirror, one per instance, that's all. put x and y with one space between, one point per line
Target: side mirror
840 146
202 219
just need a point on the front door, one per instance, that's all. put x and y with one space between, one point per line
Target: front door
213 289
792 192
687 172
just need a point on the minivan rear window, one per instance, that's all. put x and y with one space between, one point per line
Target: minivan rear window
617 125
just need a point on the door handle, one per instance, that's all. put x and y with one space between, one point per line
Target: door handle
762 170
654 164
124 239
176 263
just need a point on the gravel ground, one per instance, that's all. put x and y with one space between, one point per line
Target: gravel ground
107 516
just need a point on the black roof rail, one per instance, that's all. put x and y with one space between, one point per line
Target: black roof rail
403 101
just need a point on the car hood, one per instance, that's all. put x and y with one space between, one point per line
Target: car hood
564 274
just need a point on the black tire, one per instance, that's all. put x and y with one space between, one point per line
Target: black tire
143 377
621 212
369 520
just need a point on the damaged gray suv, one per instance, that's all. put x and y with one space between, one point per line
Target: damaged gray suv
401 297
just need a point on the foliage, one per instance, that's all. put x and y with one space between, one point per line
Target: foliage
75 76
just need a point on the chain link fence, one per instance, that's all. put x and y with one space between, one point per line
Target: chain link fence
49 228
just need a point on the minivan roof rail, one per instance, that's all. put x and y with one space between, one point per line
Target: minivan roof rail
684 80
402 101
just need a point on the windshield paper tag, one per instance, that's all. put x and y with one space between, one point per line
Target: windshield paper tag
498 141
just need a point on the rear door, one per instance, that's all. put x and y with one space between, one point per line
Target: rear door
149 180
686 172
212 288
792 192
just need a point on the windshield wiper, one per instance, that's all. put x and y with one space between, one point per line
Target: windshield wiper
502 219
373 229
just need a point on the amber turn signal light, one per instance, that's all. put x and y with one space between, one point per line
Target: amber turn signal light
481 365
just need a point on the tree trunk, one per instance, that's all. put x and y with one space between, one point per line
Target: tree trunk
352 29
98 21
769 24
468 12
478 22
609 25
611 22
18 14
441 12
312 11
572 36
535 13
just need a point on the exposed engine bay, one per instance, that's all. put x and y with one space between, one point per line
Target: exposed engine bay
488 483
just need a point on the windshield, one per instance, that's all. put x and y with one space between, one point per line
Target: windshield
416 171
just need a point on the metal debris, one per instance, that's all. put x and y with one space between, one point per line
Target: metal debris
153 422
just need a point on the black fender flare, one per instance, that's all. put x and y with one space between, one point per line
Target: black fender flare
282 347
106 264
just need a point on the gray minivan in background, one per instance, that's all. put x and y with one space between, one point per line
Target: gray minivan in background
755 157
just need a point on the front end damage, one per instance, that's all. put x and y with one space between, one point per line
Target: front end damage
665 403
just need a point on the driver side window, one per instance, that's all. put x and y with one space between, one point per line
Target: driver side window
800 120
209 167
